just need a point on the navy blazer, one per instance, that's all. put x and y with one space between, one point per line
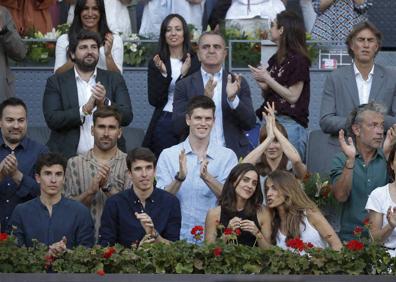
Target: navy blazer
235 122
62 111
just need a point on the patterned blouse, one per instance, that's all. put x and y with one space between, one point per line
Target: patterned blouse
338 19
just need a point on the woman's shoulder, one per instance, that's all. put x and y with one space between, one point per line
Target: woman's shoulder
380 192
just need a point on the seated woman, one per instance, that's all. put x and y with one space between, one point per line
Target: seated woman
174 61
275 151
240 208
295 215
381 206
90 15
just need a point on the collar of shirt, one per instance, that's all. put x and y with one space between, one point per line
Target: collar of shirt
206 76
78 77
358 74
379 153
210 152
23 143
135 200
54 206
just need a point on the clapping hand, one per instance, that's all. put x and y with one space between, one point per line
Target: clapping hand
186 65
391 216
209 87
159 64
146 222
58 248
182 164
108 43
232 88
347 146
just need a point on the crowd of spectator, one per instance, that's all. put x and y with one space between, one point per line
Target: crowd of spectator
82 188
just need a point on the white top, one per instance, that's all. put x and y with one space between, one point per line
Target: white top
117 52
308 234
379 201
117 16
153 14
363 86
84 91
176 66
192 13
240 9
217 134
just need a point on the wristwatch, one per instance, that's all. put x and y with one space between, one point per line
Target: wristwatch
178 178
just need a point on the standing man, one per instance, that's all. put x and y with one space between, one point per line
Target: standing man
11 45
101 172
196 169
71 97
18 154
364 81
50 218
361 166
230 93
143 213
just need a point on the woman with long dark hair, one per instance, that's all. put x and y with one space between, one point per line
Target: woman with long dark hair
91 15
174 61
285 82
240 209
295 215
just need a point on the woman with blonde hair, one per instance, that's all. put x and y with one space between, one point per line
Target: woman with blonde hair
295 215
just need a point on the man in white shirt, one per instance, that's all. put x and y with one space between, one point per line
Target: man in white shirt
364 81
71 97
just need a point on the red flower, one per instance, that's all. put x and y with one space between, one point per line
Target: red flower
366 222
295 243
197 232
309 245
217 251
109 252
228 231
238 231
100 272
354 245
48 261
357 231
3 236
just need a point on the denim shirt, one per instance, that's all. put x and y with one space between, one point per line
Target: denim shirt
11 194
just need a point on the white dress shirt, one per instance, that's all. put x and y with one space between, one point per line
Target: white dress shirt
363 86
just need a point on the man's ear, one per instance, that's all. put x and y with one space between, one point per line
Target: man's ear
356 129
37 177
188 119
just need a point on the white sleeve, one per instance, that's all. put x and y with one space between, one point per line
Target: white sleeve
118 51
164 170
376 200
61 51
229 164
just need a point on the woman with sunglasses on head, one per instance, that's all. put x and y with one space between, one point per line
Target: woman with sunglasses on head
174 61
240 210
275 152
285 82
90 15
295 215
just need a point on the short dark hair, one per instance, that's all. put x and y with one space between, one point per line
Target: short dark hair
13 101
82 35
212 32
50 159
358 28
200 101
107 111
142 154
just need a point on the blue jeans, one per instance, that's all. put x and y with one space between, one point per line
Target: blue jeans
297 134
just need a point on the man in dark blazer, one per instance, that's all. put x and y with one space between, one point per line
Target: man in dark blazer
11 45
231 94
362 82
70 98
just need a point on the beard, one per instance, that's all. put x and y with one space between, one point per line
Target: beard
85 66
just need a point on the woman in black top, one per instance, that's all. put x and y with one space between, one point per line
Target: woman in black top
240 211
174 61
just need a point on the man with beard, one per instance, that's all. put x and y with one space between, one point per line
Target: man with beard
71 97
18 154
101 172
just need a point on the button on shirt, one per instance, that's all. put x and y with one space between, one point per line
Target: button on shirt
195 197
365 179
84 90
363 86
217 134
69 218
120 225
11 194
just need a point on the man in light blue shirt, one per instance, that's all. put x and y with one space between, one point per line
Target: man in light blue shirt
195 169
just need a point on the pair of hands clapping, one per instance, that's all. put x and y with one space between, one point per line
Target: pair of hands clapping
162 68
183 166
232 87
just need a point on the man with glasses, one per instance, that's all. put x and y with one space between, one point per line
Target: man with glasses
361 166
362 82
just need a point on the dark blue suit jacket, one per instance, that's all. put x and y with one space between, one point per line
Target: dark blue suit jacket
235 122
62 111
